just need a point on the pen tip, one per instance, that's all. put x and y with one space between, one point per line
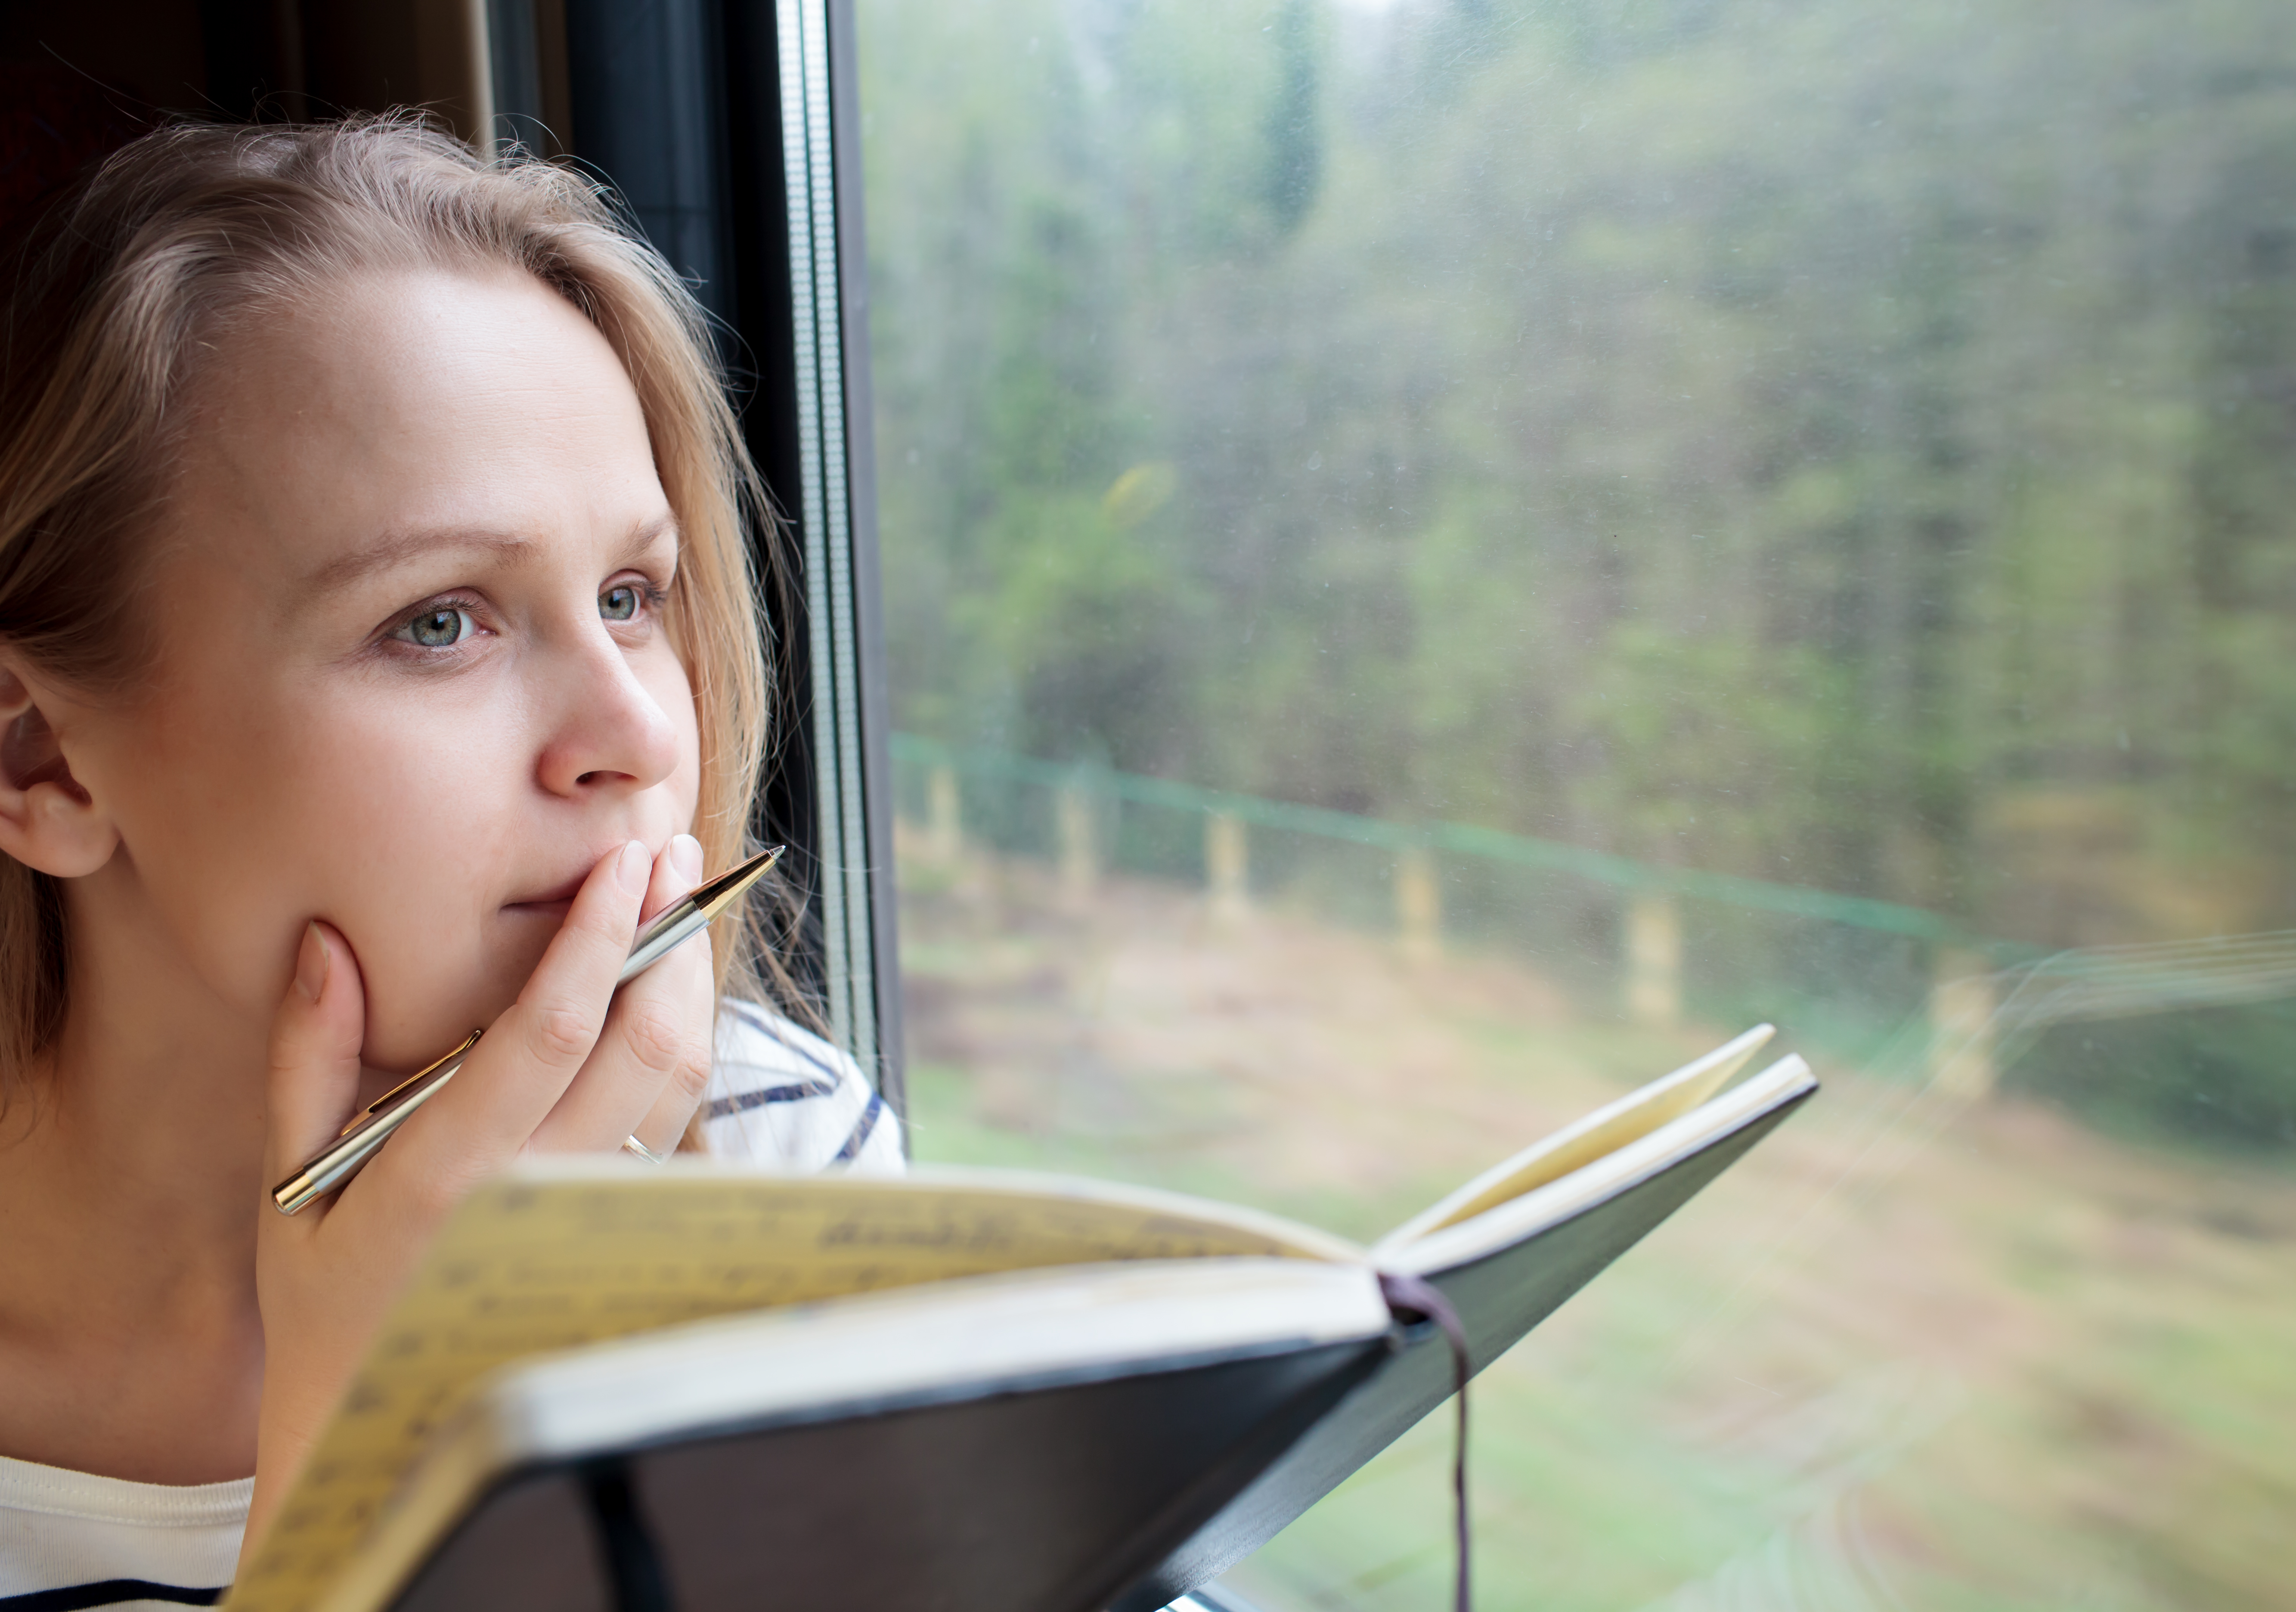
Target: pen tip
718 893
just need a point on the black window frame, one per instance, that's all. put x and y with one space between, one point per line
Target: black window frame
730 129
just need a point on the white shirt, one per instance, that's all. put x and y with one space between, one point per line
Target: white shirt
69 1539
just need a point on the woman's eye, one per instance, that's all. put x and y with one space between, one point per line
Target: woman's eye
439 628
619 603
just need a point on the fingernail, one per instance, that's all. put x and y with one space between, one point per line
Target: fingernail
312 961
633 866
686 857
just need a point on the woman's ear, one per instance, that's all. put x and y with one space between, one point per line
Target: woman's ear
47 821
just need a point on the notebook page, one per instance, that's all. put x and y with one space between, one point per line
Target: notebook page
562 1254
1579 1144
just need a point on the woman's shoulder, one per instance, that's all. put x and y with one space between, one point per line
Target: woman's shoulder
780 1094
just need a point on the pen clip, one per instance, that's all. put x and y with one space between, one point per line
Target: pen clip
407 1086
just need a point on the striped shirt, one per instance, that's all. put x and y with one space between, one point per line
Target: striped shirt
782 1094
71 1539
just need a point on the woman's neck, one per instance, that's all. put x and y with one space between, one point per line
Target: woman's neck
130 1179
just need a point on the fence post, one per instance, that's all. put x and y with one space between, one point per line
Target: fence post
1079 849
1418 903
944 815
1228 867
1962 1005
1654 959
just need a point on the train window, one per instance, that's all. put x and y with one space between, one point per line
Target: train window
1440 554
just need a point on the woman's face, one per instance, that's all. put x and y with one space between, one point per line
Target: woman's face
412 673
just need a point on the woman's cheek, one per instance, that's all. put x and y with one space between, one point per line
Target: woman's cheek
424 831
222 849
665 679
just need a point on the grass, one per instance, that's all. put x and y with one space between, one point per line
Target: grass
1914 1353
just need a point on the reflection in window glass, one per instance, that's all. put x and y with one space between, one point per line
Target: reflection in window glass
1442 556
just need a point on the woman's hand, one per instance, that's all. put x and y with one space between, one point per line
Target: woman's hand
570 1067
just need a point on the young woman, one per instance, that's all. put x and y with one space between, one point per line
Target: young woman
377 649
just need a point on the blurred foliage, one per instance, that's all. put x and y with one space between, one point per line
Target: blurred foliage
1820 440
1833 441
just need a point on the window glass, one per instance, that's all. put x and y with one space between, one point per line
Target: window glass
1442 556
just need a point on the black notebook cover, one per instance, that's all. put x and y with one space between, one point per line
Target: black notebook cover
1048 1497
1498 1299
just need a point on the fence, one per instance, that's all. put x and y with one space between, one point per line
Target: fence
1650 943
2199 1050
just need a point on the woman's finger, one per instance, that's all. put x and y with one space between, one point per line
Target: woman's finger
676 872
517 1074
315 1051
675 1107
655 1047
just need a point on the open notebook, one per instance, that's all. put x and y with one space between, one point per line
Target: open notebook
709 1386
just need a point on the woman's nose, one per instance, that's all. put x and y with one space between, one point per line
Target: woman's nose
611 734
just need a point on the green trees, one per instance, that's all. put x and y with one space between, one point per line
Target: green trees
1814 438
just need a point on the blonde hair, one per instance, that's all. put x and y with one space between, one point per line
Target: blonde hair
192 226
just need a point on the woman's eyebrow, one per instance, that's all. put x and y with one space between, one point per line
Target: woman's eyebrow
646 535
344 569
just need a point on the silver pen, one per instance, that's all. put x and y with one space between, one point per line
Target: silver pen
372 1125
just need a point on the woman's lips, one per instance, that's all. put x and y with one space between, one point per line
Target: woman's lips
555 911
553 903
